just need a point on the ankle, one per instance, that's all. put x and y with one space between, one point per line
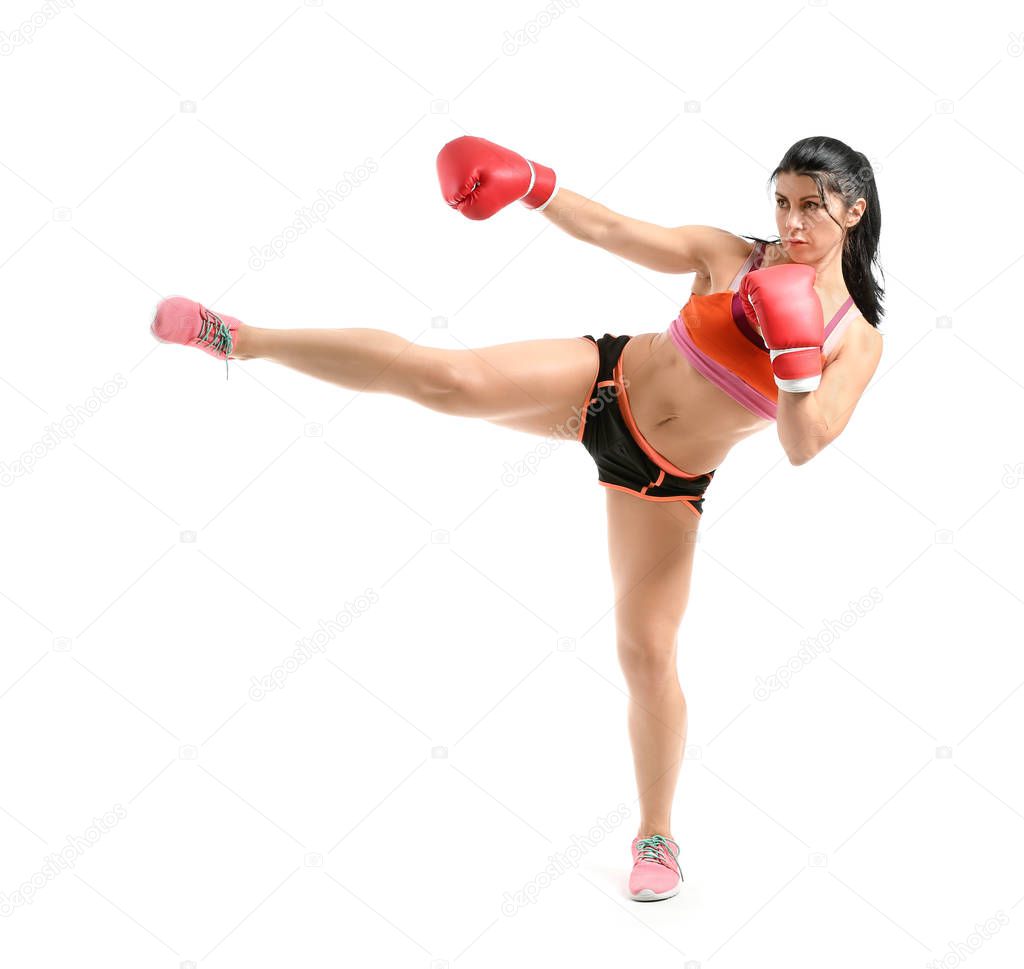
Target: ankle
649 830
245 343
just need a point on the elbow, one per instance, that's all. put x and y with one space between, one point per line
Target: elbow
800 448
803 454
604 232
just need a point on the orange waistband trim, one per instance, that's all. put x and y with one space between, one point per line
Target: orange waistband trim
688 501
659 459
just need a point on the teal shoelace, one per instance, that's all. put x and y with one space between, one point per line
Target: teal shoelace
650 849
216 334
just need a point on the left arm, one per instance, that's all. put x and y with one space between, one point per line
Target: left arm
807 423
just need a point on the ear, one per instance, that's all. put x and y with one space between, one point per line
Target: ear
856 211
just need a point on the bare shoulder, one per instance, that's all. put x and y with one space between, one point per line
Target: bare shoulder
724 252
861 339
864 335
721 245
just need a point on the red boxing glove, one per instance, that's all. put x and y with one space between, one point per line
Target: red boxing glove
479 177
781 301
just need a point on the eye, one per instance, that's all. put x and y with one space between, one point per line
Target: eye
815 204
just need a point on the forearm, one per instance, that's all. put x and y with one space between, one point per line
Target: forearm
802 427
581 217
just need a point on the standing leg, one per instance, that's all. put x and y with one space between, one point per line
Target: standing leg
651 548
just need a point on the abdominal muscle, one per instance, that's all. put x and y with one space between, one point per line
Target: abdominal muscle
683 416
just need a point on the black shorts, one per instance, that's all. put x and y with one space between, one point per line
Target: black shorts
625 460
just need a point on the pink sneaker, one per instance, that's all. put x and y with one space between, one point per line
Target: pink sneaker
656 873
180 320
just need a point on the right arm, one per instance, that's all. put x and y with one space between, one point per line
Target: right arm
681 249
479 178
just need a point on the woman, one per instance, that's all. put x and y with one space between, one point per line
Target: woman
730 365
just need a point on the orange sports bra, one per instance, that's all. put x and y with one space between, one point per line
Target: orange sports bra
713 333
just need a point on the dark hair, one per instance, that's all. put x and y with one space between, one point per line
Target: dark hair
836 167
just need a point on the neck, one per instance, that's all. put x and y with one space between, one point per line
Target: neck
829 269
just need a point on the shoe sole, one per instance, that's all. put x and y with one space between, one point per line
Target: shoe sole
646 895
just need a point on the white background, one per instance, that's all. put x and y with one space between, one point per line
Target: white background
871 812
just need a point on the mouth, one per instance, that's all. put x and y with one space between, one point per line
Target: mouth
796 242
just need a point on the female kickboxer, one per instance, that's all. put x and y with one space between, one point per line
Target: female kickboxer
750 348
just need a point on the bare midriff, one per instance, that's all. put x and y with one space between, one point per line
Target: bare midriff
684 416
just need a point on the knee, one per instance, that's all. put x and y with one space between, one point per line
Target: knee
648 660
454 383
446 386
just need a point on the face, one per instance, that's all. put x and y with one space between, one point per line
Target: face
806 227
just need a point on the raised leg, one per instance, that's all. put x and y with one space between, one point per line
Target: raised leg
531 385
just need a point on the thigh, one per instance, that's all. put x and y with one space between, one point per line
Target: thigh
651 547
538 386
